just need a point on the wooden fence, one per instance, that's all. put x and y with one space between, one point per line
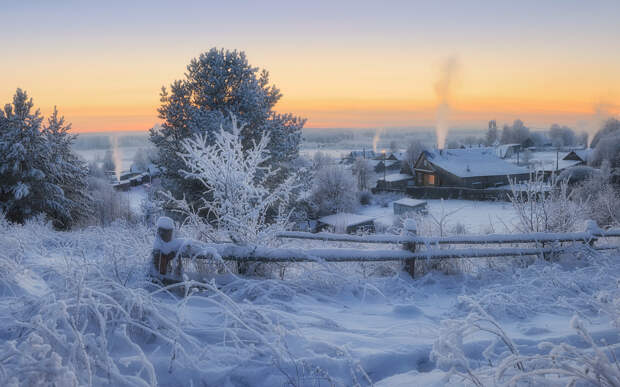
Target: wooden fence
412 247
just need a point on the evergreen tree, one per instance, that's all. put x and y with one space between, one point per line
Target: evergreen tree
34 165
66 169
218 84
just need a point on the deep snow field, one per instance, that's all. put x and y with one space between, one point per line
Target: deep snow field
76 309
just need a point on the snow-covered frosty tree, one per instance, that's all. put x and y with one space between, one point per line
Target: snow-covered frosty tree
34 166
66 169
334 190
216 84
234 181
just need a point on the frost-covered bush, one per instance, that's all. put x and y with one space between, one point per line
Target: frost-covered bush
334 190
237 195
543 206
602 197
109 205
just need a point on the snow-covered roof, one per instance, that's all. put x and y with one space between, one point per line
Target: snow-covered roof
410 202
399 155
397 177
345 219
472 162
583 154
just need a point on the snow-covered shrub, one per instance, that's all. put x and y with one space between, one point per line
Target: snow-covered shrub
363 171
595 365
602 197
109 205
543 206
235 182
334 190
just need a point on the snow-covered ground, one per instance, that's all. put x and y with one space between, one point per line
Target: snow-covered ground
477 217
75 308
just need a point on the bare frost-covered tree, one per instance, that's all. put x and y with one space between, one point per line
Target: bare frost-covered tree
414 149
363 172
334 190
235 181
543 206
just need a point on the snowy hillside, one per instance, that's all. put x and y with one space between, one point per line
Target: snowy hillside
77 310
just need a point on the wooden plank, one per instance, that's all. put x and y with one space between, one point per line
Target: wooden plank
235 253
457 239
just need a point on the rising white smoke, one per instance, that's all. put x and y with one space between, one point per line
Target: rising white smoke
444 86
116 155
376 138
600 114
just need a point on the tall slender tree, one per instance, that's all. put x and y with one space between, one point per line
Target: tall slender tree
66 169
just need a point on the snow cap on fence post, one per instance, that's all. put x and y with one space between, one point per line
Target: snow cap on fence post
165 223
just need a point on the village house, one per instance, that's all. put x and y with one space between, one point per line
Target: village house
466 168
580 155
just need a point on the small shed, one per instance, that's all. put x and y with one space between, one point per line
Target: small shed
347 223
405 205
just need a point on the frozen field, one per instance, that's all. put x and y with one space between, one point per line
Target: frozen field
76 309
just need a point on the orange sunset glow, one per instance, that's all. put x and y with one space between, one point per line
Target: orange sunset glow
352 66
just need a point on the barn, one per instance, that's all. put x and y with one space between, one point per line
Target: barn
466 168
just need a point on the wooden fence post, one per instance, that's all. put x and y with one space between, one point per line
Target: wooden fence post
165 231
410 229
592 228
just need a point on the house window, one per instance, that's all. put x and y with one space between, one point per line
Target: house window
430 179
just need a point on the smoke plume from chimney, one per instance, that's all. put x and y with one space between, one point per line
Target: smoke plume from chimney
444 86
375 139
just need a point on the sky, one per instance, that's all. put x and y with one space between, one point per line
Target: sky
340 64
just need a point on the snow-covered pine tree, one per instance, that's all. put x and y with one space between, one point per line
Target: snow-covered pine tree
28 169
217 84
66 169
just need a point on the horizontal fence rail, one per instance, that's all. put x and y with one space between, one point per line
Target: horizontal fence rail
230 252
537 237
408 251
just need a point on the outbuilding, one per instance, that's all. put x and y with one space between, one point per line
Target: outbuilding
406 205
347 223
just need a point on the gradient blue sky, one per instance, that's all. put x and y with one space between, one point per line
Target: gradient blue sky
340 64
